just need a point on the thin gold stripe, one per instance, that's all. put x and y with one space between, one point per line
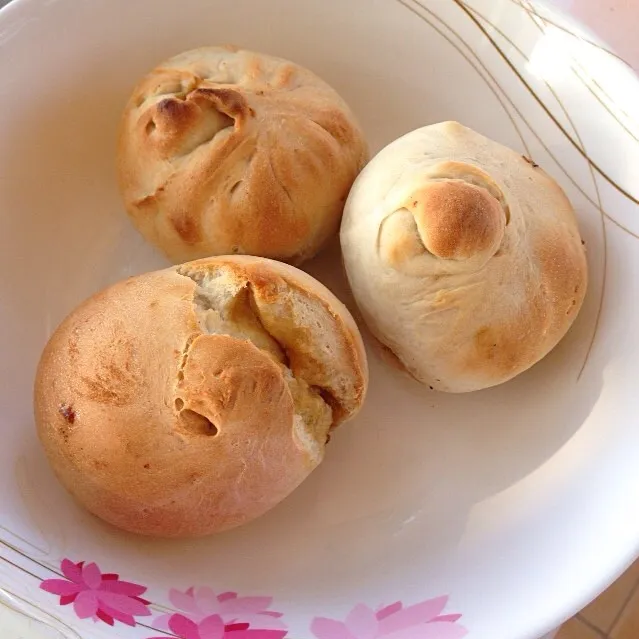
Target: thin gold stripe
619 224
525 57
162 608
604 234
46 613
40 579
603 92
62 623
573 34
22 539
577 70
162 632
599 170
22 554
595 204
24 570
594 181
514 107
472 64
60 574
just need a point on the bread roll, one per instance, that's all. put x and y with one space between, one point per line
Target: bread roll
192 400
464 257
225 151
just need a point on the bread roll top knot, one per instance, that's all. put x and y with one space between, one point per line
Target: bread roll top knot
450 217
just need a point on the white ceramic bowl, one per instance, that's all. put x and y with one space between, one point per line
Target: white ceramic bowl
511 507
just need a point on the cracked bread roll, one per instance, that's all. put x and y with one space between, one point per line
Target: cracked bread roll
224 151
464 257
191 400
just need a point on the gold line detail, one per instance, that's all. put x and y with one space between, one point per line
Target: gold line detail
22 539
573 34
472 64
21 568
22 554
57 572
599 170
602 294
594 181
162 632
512 104
45 613
577 70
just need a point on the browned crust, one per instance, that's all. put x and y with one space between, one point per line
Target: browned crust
161 429
464 304
261 165
457 220
268 278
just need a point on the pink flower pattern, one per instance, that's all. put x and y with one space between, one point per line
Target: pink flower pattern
203 614
198 604
421 621
102 597
213 627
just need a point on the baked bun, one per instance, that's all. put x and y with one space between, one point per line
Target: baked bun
225 151
192 400
464 257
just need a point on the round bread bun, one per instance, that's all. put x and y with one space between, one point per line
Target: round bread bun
464 257
224 151
192 400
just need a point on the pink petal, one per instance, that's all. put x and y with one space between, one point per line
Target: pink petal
227 595
324 628
65 601
117 614
436 630
449 618
260 620
184 600
110 576
362 622
206 601
86 604
412 616
124 604
60 587
92 576
108 619
122 588
162 622
246 604
211 628
73 572
386 611
183 627
257 634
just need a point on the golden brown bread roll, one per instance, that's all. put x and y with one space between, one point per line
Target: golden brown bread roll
194 399
225 151
464 257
